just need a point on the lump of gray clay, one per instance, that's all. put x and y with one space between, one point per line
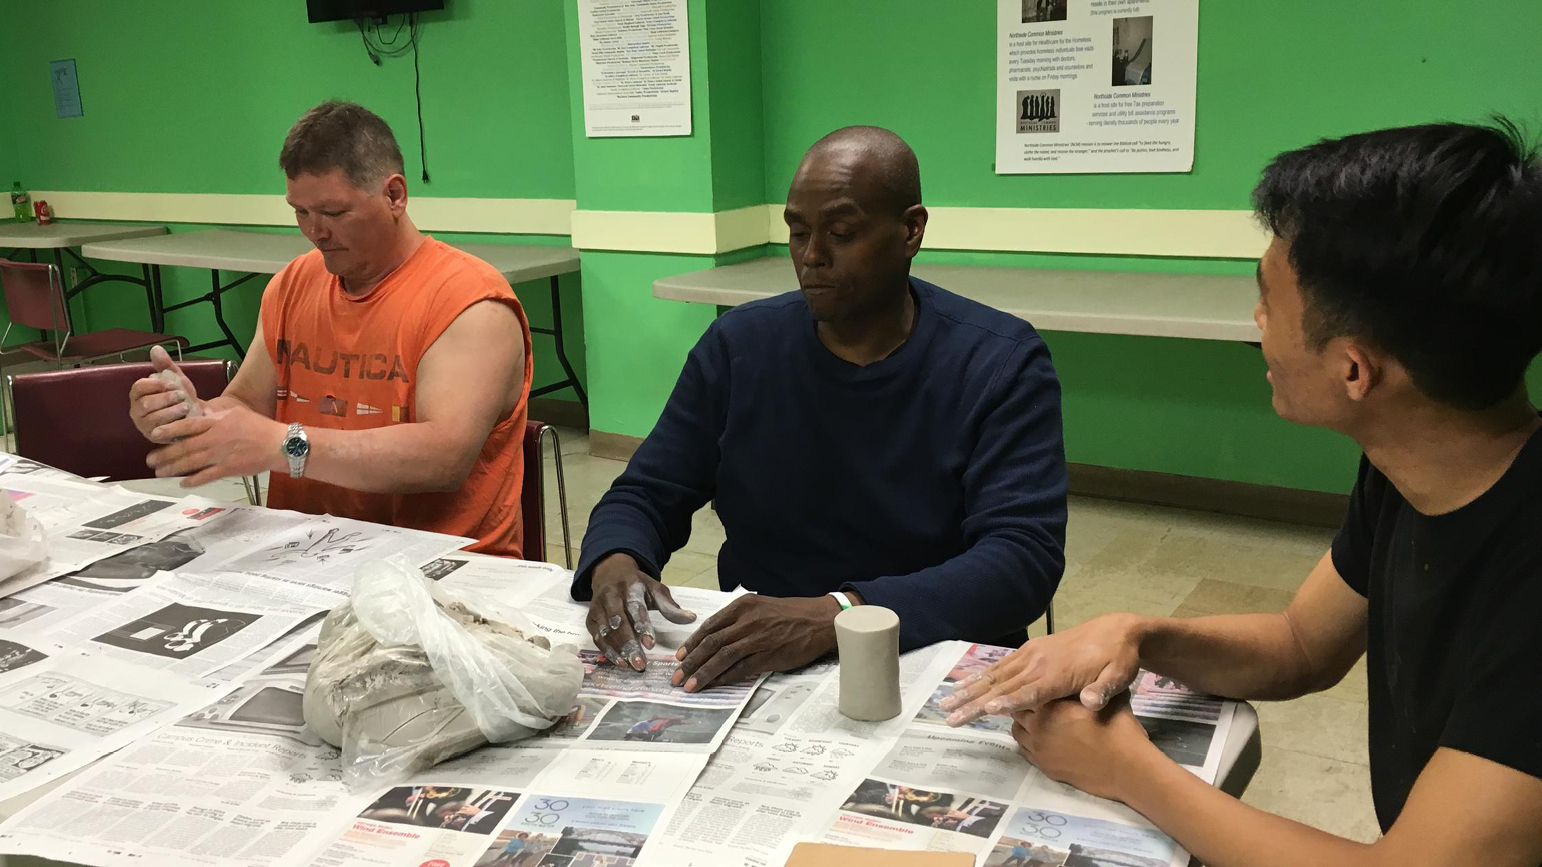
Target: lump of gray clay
385 705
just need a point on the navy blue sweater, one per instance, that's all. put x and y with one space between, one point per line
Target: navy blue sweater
932 482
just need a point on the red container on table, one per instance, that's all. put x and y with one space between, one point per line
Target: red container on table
45 214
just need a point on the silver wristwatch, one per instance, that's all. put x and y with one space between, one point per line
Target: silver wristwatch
296 448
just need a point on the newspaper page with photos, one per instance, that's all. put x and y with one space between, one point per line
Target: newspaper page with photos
40 608
85 523
968 789
244 782
195 625
61 709
1096 85
788 764
785 775
317 550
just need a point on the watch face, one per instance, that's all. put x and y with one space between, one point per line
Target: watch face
296 447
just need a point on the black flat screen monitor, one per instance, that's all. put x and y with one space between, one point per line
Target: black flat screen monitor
348 10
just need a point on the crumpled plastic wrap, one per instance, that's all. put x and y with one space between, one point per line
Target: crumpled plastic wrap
22 542
406 675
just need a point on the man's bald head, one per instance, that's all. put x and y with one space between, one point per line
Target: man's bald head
854 222
879 162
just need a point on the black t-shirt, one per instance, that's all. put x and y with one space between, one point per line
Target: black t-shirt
1454 645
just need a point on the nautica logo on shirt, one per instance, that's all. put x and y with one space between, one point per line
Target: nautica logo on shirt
356 365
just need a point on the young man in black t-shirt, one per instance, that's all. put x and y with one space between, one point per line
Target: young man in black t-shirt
1401 304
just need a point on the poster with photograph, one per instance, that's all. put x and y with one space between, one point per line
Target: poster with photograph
1096 86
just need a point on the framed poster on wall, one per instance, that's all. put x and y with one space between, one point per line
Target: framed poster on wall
1095 86
636 67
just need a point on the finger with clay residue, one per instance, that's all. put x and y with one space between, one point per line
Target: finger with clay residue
632 651
637 612
174 379
665 602
967 690
1012 702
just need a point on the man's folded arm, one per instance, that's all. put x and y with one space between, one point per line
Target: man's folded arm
1014 522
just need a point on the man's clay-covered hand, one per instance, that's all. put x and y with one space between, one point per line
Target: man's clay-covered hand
618 615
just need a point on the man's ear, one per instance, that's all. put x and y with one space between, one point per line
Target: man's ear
396 194
1361 370
915 228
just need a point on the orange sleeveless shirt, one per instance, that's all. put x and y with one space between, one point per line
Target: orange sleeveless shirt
351 363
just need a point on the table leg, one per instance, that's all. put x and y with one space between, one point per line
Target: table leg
158 303
215 299
144 271
219 313
562 355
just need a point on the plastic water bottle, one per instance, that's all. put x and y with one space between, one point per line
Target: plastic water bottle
21 203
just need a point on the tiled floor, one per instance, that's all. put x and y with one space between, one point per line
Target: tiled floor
1119 557
1157 561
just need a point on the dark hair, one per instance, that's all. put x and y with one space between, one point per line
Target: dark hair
1425 241
341 135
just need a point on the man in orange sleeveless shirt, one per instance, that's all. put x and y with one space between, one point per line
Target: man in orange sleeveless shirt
389 374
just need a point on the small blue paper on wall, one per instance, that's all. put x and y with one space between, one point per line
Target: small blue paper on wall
66 85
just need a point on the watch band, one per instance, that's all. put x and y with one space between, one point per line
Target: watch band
842 598
297 462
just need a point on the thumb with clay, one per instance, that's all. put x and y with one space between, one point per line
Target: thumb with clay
168 372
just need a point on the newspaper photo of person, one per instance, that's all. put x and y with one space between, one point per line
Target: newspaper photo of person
445 808
517 849
573 832
655 723
976 817
1044 838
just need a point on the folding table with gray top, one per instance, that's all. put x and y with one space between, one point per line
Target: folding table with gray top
63 238
1195 306
257 253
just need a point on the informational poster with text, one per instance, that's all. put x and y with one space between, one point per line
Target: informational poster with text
636 67
1095 86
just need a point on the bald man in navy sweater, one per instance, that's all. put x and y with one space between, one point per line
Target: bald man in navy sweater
868 439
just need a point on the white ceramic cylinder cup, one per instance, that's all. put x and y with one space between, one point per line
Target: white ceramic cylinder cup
867 639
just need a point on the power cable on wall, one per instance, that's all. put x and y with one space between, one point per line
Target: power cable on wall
379 47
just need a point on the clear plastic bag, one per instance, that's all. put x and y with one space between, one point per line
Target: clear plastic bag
407 675
23 545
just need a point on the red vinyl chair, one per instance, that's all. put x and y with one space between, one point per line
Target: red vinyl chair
77 419
35 297
532 500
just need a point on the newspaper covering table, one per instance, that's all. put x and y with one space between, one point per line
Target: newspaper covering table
245 769
177 666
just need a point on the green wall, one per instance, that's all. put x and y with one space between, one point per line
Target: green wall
635 343
189 96
193 96
1271 76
